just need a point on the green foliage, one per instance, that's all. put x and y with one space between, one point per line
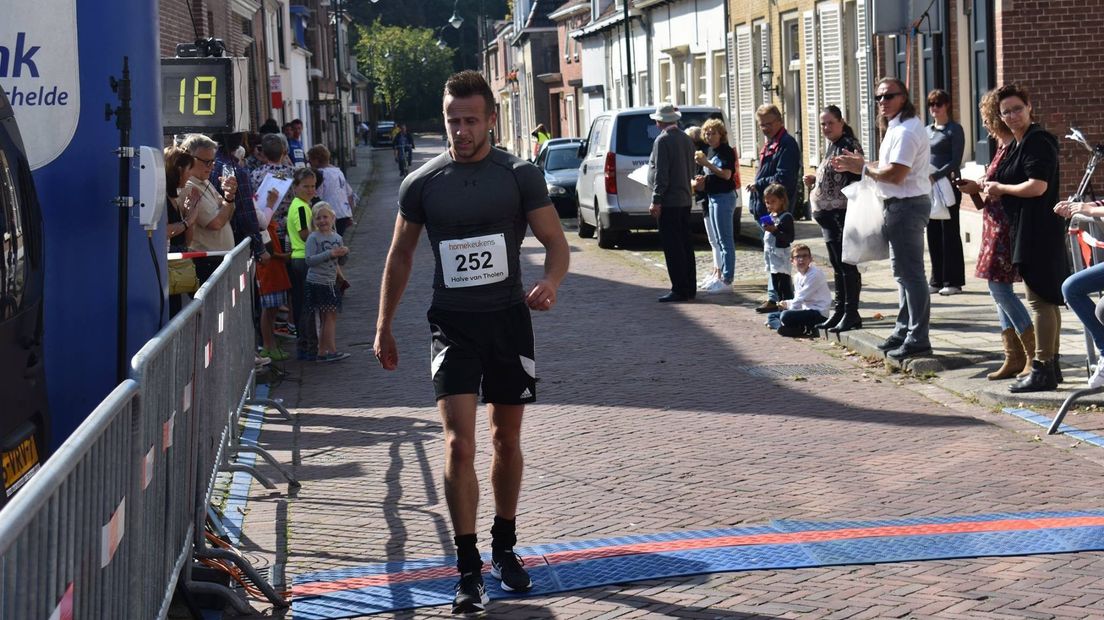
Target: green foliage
407 67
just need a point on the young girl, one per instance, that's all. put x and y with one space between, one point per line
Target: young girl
811 297
777 238
324 252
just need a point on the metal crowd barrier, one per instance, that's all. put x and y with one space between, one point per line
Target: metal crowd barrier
67 538
113 519
1086 244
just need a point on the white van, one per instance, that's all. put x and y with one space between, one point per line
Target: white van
619 142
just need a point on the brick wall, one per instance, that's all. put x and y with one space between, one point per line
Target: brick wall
1053 48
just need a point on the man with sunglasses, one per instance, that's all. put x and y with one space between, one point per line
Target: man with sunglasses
901 177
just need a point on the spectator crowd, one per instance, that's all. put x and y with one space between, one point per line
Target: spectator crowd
295 230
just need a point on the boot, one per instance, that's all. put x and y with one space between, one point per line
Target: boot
837 305
1041 379
1058 369
837 316
852 284
1027 339
1014 357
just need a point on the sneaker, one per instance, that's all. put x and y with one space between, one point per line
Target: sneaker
950 290
1097 378
471 594
710 279
285 332
304 356
716 286
508 569
767 306
336 356
933 289
276 355
261 361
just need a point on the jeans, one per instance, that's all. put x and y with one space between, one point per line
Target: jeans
1010 310
721 208
772 294
905 222
801 319
1076 289
678 249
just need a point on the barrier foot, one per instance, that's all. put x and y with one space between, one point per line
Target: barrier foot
267 456
272 403
268 484
250 572
221 591
214 520
1066 406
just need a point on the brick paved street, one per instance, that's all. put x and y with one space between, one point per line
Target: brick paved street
652 418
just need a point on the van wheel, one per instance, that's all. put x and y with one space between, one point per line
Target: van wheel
586 231
606 237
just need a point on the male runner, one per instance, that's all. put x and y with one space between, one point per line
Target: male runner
475 202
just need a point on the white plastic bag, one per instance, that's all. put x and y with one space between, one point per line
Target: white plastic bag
863 240
942 199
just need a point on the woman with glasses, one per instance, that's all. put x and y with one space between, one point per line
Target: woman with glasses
994 262
1026 182
830 210
212 231
947 139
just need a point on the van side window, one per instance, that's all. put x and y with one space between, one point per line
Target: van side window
13 251
597 138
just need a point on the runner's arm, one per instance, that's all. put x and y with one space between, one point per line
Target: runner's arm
546 227
396 274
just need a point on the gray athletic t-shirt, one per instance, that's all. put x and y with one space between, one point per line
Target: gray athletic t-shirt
475 218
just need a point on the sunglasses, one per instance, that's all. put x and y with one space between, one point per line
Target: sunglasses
885 97
936 104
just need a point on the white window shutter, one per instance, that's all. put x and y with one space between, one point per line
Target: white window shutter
765 54
812 90
730 87
745 86
831 56
861 114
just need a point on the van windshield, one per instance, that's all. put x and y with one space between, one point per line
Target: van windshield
637 132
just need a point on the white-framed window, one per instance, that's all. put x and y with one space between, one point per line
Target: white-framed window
664 81
700 79
643 89
680 89
761 55
790 72
720 83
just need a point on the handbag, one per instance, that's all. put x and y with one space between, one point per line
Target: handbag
942 199
863 239
182 276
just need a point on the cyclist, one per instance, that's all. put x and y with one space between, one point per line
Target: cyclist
404 149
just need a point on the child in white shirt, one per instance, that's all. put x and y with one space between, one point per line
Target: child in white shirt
811 299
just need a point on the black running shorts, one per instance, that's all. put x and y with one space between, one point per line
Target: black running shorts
489 350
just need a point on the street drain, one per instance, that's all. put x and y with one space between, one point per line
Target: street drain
790 370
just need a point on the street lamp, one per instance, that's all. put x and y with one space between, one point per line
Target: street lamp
456 21
766 80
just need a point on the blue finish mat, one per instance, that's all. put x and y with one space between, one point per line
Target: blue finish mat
1065 429
560 567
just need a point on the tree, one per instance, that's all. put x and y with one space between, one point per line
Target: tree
408 68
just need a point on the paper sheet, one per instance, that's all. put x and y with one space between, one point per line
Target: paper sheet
640 175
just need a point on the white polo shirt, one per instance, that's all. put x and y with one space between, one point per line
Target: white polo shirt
906 143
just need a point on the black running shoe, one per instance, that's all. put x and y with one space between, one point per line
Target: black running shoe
507 568
471 595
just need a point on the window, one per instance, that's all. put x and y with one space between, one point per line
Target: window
664 81
761 55
637 132
701 80
13 253
280 36
720 81
791 73
643 90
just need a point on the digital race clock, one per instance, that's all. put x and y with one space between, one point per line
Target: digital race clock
202 95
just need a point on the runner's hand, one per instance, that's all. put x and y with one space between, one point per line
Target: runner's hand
387 352
542 296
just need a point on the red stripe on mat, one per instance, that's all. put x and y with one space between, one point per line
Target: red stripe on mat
779 538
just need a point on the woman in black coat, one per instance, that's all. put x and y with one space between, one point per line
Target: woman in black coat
1027 184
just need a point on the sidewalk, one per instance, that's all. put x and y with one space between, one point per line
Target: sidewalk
965 333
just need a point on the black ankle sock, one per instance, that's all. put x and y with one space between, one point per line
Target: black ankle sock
467 554
503 535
